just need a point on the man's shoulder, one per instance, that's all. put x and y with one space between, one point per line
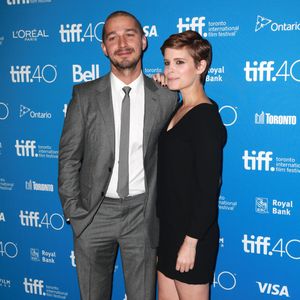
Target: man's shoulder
96 84
157 88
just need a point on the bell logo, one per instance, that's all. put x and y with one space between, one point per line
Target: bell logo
34 286
258 161
79 75
273 289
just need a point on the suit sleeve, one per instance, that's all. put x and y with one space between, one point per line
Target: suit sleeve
71 149
207 149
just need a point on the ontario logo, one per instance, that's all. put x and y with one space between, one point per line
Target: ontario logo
263 22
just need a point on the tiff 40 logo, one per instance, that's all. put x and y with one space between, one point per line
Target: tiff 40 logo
78 33
225 280
266 71
33 74
8 249
34 219
262 245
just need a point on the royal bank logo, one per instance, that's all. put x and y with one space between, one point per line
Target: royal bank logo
274 206
208 28
32 185
26 111
35 254
261 205
270 119
43 256
263 22
29 35
4 111
79 75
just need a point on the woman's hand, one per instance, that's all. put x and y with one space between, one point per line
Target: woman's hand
160 78
186 255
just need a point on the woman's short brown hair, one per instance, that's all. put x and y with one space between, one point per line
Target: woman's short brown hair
198 47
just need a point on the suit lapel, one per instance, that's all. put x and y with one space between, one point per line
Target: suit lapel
151 107
105 105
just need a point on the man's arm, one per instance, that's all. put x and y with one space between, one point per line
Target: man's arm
71 149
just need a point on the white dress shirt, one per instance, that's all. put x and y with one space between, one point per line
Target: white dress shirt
136 157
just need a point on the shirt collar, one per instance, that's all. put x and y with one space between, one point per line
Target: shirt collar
119 84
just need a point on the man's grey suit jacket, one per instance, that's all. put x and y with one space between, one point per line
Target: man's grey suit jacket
86 151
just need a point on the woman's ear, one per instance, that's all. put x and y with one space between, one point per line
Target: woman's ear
201 66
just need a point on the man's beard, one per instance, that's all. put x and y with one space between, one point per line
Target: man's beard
126 63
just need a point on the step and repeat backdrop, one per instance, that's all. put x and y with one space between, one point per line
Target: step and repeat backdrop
47 46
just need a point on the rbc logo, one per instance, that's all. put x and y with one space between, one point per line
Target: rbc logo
259 71
27 74
79 75
34 286
256 161
26 148
195 24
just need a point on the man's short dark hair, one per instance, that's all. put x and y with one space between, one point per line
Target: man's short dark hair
122 13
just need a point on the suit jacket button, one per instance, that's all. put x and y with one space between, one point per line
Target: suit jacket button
102 194
109 169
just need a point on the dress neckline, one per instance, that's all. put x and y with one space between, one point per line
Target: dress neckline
184 116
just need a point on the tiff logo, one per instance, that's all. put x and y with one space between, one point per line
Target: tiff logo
15 2
259 71
20 74
71 33
196 24
26 148
29 218
257 244
73 261
34 286
256 161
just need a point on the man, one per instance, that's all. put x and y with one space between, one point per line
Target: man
107 166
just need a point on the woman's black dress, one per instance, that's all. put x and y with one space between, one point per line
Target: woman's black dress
189 178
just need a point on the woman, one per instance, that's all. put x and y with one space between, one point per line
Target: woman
189 174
